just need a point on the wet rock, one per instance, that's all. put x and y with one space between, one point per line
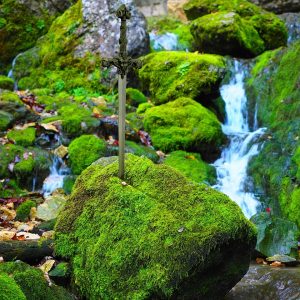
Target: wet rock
287 260
279 6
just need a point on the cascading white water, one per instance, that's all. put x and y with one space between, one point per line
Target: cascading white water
11 72
55 180
232 166
167 41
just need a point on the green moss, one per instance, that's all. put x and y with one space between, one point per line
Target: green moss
6 83
249 29
237 38
10 189
23 210
20 29
192 166
85 150
33 283
184 124
167 24
24 137
5 120
10 97
159 236
274 86
25 166
9 290
52 64
170 75
134 97
69 182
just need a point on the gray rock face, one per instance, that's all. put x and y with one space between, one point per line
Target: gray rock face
279 6
101 29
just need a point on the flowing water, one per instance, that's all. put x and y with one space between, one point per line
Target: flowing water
55 180
231 167
11 72
167 42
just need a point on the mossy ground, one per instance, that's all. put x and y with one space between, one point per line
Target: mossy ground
85 150
184 124
6 83
9 290
157 234
24 137
169 75
274 84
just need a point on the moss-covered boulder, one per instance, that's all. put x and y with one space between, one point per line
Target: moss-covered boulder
226 33
192 166
23 210
31 282
25 137
9 290
184 124
274 86
6 83
238 28
155 236
135 97
170 75
85 150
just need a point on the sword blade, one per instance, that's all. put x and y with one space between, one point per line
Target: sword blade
122 113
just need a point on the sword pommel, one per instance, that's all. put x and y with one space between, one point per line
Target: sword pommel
123 13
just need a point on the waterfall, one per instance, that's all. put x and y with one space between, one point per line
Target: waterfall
167 41
55 180
11 72
243 144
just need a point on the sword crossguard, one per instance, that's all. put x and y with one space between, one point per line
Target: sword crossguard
122 62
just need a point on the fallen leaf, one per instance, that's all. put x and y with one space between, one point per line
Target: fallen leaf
259 260
50 127
8 214
97 113
47 266
277 264
6 235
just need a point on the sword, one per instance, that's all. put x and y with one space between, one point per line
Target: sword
123 63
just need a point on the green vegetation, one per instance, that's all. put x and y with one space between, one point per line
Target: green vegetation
237 38
134 97
6 83
32 282
164 24
170 75
23 210
24 137
52 63
192 166
249 30
169 233
5 120
85 150
184 124
276 169
9 290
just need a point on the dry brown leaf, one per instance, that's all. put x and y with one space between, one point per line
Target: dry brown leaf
259 260
50 127
6 235
277 264
32 214
8 214
47 266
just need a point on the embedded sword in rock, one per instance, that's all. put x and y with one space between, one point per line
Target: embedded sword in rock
123 63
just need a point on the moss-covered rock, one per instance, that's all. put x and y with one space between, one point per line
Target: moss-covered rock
85 150
5 120
135 97
32 282
157 236
25 137
226 33
9 290
192 166
6 83
23 210
274 86
184 124
170 75
237 27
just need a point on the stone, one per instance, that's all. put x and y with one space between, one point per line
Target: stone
287 260
100 32
155 234
61 151
279 6
51 207
175 8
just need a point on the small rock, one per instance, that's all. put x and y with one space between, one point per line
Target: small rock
61 151
100 101
8 214
48 234
51 207
6 235
27 235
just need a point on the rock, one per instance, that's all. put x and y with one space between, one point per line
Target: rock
175 8
100 32
136 227
51 207
226 33
170 75
6 83
192 166
275 235
99 101
25 137
6 235
263 282
32 282
287 260
61 151
169 129
85 150
279 6
292 22
249 28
